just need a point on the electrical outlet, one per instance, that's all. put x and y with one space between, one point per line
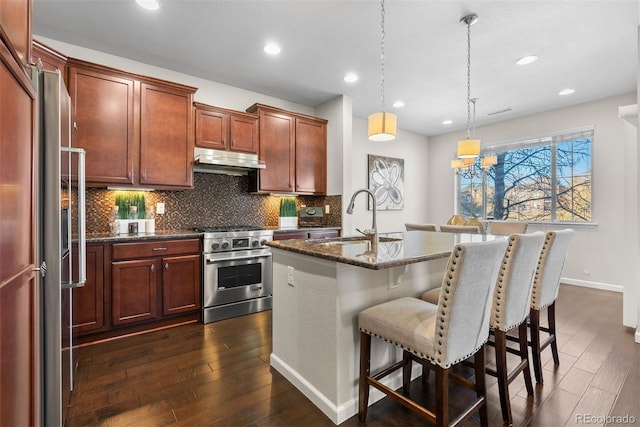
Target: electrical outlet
327 209
290 279
160 208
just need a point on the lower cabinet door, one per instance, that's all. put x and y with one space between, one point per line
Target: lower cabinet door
88 301
181 290
134 287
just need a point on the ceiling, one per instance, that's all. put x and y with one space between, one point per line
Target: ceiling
589 45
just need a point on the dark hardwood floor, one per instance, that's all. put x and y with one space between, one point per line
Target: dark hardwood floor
219 375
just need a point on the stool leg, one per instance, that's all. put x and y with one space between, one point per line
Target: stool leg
406 371
502 373
534 319
365 370
481 385
442 396
551 317
524 355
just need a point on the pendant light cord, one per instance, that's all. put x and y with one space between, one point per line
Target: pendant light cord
382 56
468 22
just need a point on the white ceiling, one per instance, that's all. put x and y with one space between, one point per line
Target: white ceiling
586 45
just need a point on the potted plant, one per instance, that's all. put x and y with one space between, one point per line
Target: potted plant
288 213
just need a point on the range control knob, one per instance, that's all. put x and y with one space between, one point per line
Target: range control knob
215 245
255 242
225 244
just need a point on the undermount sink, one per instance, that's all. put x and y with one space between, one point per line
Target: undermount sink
350 240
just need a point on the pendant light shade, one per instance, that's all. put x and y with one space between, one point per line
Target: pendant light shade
382 126
468 148
488 161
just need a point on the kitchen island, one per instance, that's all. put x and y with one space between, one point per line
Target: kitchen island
320 286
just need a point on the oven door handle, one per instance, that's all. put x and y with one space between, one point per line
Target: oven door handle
236 258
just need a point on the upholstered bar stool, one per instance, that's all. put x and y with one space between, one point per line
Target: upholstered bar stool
439 335
424 227
545 292
460 228
505 228
510 308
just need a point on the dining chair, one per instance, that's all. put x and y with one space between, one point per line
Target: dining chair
509 310
460 228
505 228
439 336
424 227
545 292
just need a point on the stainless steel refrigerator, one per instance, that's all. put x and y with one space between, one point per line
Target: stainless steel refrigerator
61 209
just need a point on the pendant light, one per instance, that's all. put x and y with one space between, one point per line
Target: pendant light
382 125
469 147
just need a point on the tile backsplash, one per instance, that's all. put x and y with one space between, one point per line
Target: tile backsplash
216 200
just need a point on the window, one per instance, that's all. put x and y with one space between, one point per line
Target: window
544 179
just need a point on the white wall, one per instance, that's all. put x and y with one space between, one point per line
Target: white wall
414 150
595 254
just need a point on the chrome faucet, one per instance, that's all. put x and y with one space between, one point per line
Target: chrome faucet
372 233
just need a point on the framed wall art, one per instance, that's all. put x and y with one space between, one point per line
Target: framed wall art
386 180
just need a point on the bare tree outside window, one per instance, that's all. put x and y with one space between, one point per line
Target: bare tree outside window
548 179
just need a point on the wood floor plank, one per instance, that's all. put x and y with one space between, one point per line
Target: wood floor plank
219 375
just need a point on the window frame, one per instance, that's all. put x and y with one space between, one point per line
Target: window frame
551 139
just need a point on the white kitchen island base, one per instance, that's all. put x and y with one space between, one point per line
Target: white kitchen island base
316 338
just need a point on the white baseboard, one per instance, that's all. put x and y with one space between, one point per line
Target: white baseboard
593 285
346 410
637 336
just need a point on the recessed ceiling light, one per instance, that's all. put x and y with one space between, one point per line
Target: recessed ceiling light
272 48
351 77
566 92
149 4
527 60
447 122
398 104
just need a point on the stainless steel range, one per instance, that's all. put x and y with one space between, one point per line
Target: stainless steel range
237 273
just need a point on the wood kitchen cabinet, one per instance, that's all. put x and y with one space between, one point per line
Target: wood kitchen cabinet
181 284
136 130
223 129
15 29
154 279
166 136
88 301
294 149
20 285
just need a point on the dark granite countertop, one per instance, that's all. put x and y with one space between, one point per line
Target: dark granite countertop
159 234
289 230
394 249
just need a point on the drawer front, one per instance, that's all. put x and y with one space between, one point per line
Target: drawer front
155 248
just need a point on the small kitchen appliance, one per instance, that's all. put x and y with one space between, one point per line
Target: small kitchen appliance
237 271
311 217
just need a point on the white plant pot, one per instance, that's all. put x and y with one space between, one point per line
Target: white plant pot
288 221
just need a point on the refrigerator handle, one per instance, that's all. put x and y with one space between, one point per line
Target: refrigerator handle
82 225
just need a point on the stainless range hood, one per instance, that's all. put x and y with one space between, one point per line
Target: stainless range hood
225 162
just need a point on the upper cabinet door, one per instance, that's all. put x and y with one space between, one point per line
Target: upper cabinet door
212 130
244 133
277 150
15 23
166 136
311 156
103 108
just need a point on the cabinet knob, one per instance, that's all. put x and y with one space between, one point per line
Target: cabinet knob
152 268
166 265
